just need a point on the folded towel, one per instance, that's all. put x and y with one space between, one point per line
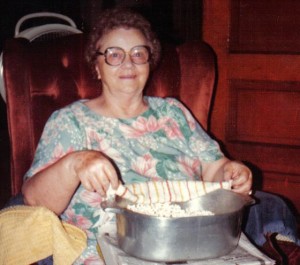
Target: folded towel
29 234
167 191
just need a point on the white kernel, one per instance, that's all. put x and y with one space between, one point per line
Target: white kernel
166 210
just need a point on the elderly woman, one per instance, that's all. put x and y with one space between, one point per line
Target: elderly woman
93 144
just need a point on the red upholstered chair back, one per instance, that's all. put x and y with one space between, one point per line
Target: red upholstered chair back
41 77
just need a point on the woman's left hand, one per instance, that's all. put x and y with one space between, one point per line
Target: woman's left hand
240 175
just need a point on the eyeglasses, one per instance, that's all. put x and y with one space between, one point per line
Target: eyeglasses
115 55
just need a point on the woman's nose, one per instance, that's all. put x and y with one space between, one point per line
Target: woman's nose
127 61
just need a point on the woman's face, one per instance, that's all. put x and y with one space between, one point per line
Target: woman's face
126 78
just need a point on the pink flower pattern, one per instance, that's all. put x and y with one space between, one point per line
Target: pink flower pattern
97 142
77 220
91 198
93 260
145 166
171 128
190 167
190 119
57 154
144 126
140 127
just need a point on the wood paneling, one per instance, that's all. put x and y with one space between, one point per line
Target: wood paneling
264 112
275 167
256 111
269 158
286 185
254 29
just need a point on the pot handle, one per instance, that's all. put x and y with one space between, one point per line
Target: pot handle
248 200
111 207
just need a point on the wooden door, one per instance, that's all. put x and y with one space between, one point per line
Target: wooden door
256 111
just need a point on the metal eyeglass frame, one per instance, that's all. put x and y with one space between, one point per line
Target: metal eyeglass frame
124 52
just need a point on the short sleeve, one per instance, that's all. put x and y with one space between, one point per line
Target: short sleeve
198 140
61 135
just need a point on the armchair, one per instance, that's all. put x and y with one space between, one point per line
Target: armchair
41 77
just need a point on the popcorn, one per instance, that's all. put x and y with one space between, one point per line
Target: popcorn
166 210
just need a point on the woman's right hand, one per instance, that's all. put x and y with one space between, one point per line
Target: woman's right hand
54 186
95 171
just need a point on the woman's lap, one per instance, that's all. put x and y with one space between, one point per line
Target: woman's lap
270 214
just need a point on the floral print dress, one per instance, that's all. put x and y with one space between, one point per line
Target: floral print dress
163 143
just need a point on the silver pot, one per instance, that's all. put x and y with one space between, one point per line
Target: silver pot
164 239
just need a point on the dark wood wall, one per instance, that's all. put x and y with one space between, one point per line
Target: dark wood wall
257 105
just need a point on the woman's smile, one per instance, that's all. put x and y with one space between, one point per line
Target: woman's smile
128 76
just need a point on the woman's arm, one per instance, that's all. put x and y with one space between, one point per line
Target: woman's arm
225 169
54 186
62 162
215 167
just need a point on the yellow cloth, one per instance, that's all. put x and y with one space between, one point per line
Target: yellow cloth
29 234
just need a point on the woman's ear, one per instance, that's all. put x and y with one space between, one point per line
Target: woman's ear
98 72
